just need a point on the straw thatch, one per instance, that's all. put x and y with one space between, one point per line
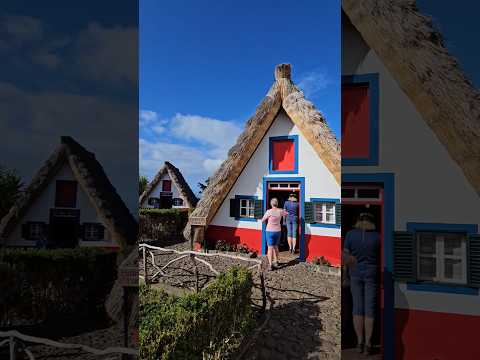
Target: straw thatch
189 198
94 182
413 51
282 96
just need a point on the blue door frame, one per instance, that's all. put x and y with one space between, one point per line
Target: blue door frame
301 180
388 181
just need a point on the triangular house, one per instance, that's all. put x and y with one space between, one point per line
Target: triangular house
168 189
411 157
70 202
286 147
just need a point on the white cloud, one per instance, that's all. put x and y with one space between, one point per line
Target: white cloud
108 53
21 29
205 130
148 116
313 82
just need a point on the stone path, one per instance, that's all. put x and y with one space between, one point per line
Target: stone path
305 318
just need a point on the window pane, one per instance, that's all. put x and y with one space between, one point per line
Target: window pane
243 211
427 267
369 193
330 218
243 202
427 244
453 269
252 213
348 193
453 244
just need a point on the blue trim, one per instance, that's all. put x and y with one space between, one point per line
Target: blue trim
467 228
373 94
248 197
442 288
329 200
270 154
301 180
388 180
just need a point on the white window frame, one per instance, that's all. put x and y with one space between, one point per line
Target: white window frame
249 206
90 230
323 212
35 230
440 257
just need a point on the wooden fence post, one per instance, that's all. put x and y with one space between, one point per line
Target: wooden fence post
145 266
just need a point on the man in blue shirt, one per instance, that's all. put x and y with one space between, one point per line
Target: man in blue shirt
291 206
362 256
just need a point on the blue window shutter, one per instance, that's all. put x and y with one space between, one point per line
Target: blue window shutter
258 209
338 214
404 256
473 260
309 214
234 208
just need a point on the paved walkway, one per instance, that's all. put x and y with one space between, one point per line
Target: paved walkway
305 318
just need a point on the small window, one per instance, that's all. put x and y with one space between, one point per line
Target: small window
167 185
368 193
247 208
348 193
93 232
35 231
177 202
154 202
324 212
284 154
66 194
442 257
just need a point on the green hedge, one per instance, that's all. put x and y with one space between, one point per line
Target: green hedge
163 225
47 283
195 326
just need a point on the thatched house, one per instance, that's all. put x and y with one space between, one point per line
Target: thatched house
411 153
168 189
70 202
286 147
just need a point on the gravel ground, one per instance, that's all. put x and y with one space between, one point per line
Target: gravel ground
304 321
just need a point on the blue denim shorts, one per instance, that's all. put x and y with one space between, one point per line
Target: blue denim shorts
364 295
273 237
291 227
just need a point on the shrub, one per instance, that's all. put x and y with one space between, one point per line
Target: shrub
322 260
46 283
243 249
162 224
195 326
222 245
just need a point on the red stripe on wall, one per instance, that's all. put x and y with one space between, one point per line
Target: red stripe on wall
327 246
432 335
250 237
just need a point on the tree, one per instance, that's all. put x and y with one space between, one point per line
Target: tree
203 186
10 189
142 184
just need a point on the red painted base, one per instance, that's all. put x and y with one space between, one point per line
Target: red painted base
316 246
236 236
433 335
327 246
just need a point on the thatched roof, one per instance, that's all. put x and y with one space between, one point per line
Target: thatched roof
177 179
413 51
282 96
94 182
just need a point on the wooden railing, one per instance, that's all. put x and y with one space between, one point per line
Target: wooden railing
149 252
16 341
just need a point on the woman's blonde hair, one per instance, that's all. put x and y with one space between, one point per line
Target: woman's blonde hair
274 202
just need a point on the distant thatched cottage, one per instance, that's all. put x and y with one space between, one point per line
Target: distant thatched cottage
69 203
167 190
411 153
287 147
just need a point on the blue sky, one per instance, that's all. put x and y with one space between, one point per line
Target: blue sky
70 68
205 66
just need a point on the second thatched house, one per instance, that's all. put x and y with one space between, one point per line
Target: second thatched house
286 147
69 203
167 190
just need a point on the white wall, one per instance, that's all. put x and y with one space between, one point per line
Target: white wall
429 185
319 182
157 190
40 211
